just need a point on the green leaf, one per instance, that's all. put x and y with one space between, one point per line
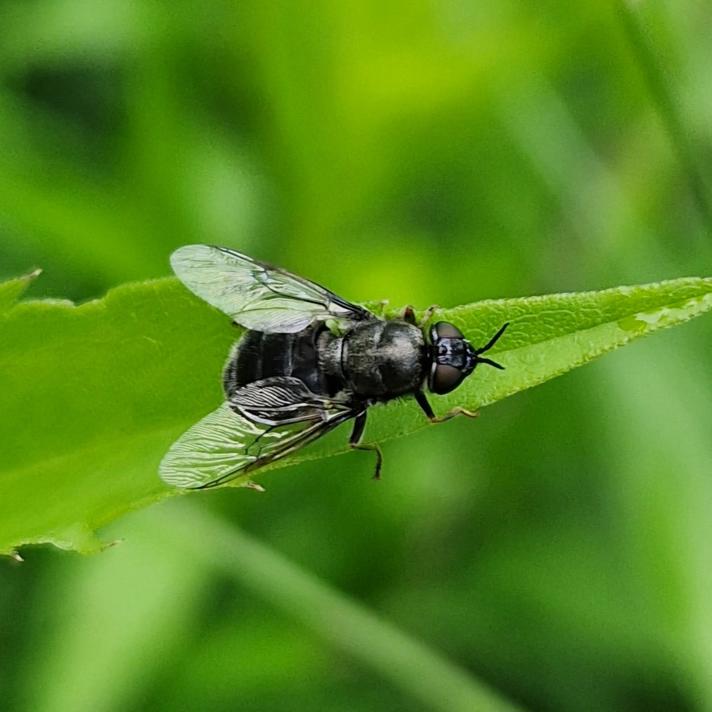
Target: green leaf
13 289
93 395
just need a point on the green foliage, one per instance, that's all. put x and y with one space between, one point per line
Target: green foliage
558 548
350 627
98 392
12 289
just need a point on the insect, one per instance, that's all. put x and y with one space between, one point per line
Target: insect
308 362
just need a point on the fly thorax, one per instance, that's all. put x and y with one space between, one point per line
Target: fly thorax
384 359
330 351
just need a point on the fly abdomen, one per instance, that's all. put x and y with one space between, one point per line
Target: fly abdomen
260 355
245 362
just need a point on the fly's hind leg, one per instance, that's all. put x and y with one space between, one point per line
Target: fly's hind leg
427 409
356 434
380 309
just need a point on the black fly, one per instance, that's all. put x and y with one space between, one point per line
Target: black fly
308 362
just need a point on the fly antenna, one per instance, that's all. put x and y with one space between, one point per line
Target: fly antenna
489 362
492 341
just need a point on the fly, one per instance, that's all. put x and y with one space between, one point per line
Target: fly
309 361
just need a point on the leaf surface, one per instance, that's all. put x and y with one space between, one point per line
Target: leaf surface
93 395
13 289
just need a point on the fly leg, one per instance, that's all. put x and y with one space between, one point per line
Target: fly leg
409 315
459 410
380 308
356 434
425 405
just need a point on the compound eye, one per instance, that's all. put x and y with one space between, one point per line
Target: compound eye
445 330
444 378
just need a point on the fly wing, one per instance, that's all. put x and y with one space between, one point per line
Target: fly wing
281 400
256 295
277 416
215 448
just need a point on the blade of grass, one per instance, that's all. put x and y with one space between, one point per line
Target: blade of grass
643 46
408 663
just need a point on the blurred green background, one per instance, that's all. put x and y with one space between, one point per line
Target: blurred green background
444 151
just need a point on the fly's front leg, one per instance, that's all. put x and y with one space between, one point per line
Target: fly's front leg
427 314
409 315
459 410
425 405
356 434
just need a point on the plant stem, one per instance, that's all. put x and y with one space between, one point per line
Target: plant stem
662 95
419 671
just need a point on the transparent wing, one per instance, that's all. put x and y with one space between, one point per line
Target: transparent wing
280 400
226 444
256 295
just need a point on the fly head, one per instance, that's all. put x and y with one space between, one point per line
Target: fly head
454 358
